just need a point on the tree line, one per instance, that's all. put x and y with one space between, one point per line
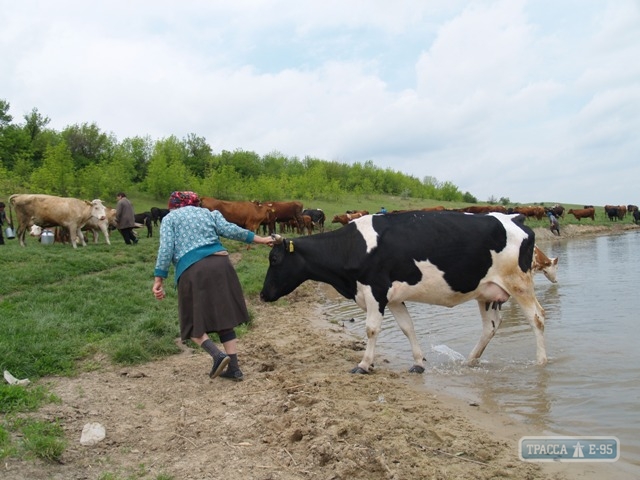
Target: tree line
85 162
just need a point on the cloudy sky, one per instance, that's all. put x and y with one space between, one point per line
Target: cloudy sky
530 100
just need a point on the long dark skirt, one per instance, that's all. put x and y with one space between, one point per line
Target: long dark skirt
210 298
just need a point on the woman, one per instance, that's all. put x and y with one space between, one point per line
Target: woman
210 297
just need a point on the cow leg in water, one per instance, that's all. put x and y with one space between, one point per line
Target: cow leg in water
401 314
536 316
490 313
373 327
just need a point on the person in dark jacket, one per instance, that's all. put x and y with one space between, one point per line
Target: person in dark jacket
210 297
125 219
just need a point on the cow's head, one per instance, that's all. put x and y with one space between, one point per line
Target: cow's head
551 271
35 231
98 210
285 272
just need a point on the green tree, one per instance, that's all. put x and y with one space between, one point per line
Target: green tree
167 171
140 149
198 155
87 144
56 175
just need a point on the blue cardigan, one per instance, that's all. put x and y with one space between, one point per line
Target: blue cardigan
189 234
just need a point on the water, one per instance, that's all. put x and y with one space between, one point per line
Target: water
591 385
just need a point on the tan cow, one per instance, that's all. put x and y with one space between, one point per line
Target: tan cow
51 211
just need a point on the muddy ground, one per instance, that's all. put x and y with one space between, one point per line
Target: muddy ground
299 414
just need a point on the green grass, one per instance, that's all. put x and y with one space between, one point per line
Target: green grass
64 310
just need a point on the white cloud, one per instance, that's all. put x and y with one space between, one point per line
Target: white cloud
503 98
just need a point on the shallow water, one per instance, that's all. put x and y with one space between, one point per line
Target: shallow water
591 385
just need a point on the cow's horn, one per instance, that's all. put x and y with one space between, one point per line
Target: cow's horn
277 239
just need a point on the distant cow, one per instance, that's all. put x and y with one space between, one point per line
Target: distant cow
95 226
557 210
290 212
346 217
440 258
157 214
611 211
482 209
145 219
50 211
317 217
531 212
543 264
580 213
61 234
244 214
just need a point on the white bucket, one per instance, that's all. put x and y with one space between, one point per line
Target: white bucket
47 237
10 233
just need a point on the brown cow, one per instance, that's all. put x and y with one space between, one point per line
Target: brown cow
244 214
51 211
308 223
284 212
583 213
346 217
531 212
482 209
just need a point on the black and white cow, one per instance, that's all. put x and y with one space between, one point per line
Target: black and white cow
439 258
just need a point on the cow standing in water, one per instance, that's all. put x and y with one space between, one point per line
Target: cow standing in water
440 258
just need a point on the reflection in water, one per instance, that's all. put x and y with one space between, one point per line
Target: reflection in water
591 385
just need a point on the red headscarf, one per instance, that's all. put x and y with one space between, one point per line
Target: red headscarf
183 199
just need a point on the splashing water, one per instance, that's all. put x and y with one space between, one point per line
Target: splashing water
452 354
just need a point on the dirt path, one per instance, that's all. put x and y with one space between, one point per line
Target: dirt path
299 414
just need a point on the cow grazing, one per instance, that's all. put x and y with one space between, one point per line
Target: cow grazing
244 214
50 211
440 258
580 213
543 264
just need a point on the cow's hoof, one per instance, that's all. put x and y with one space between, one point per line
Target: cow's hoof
359 370
416 369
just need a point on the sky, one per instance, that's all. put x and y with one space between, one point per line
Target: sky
534 101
